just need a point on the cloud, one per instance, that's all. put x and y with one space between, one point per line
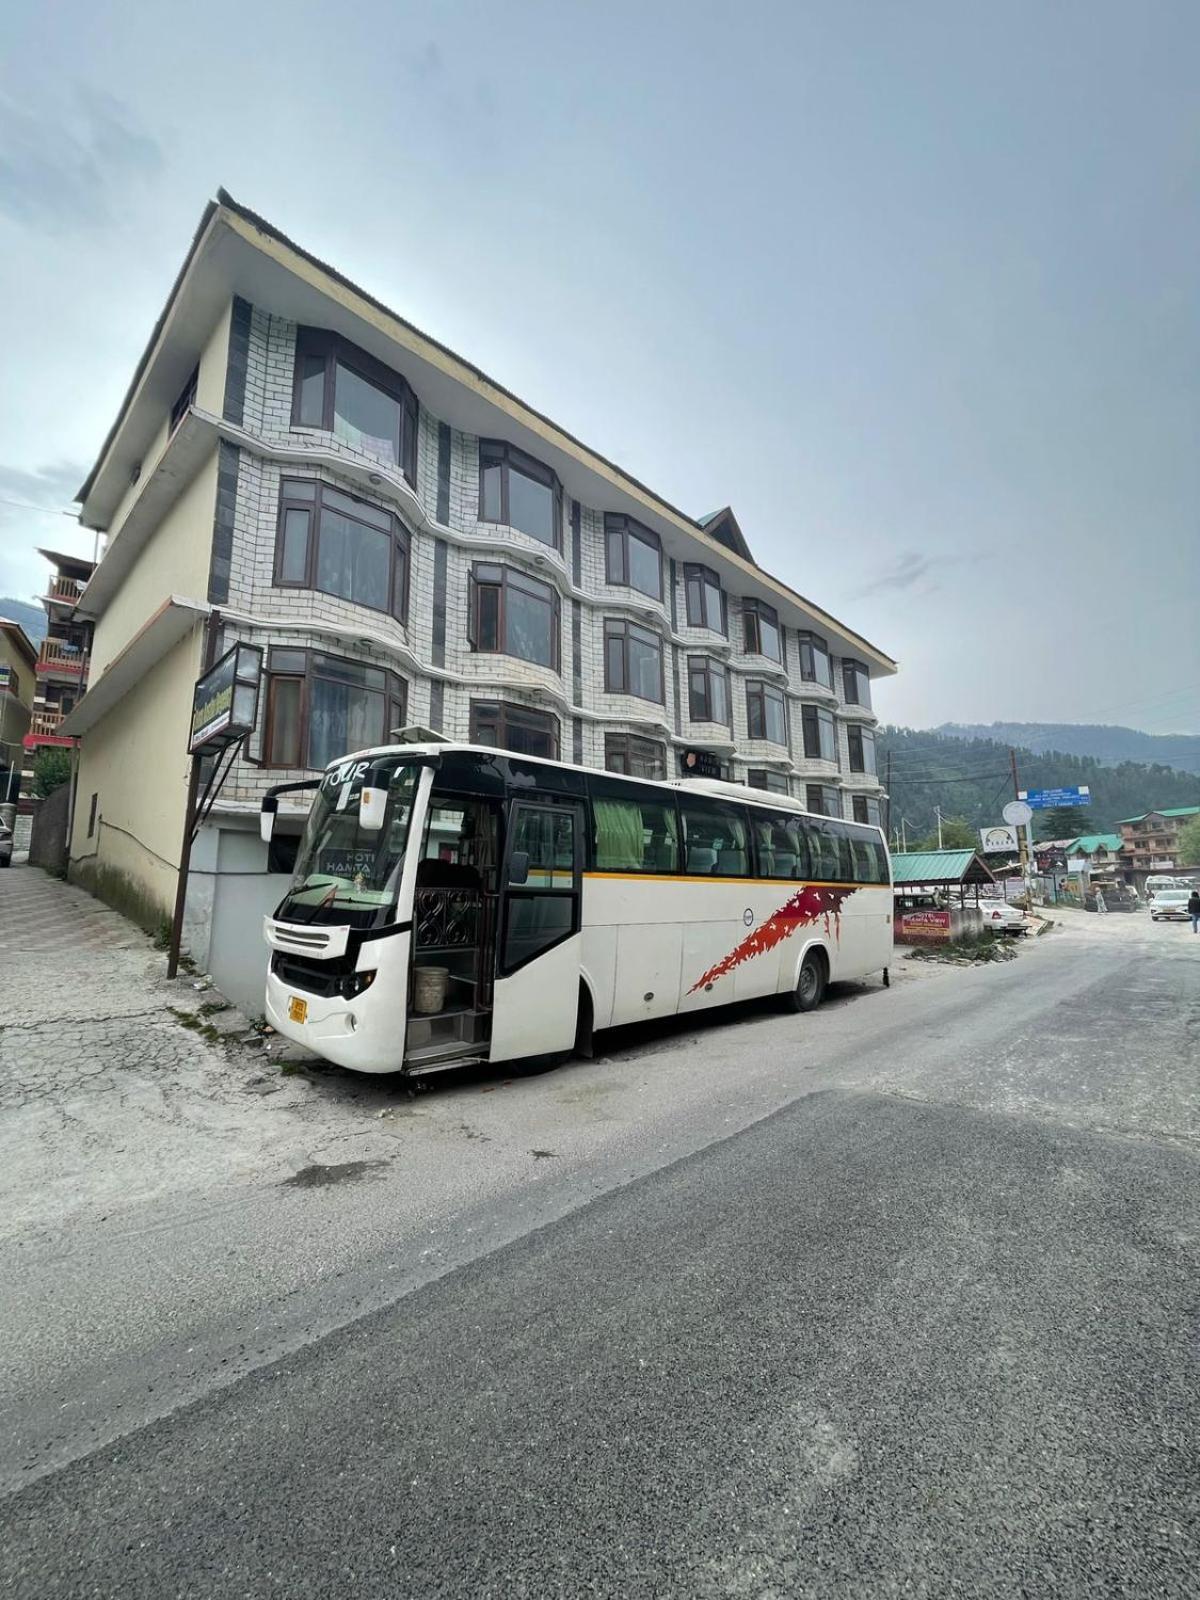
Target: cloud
905 572
63 168
32 504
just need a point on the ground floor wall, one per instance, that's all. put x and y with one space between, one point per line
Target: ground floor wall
131 792
231 888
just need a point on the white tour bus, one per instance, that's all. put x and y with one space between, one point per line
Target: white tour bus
453 903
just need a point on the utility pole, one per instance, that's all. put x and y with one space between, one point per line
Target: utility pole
937 811
887 783
1024 836
212 632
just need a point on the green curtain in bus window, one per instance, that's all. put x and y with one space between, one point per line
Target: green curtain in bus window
620 836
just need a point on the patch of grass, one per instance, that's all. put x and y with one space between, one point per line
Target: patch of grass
211 1008
290 1069
193 1023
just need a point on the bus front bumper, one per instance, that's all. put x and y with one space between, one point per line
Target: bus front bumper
332 1027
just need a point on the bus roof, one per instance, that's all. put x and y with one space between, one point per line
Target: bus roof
717 788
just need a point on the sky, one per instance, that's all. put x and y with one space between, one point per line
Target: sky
911 286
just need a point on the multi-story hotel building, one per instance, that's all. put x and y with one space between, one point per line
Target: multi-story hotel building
409 543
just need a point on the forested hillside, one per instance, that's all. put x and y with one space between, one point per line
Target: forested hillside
1108 744
972 778
32 618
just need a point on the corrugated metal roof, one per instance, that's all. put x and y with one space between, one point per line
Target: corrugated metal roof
1166 811
940 866
1088 843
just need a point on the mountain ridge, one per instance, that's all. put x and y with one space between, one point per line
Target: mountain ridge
1108 743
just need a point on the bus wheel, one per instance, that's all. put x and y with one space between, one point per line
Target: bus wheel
810 985
583 1027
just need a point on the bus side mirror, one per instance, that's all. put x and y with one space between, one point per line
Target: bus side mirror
518 867
372 808
266 824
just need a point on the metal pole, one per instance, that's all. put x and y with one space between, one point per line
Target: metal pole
212 629
937 811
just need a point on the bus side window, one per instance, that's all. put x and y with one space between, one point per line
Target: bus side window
782 852
716 840
864 861
826 865
548 838
635 835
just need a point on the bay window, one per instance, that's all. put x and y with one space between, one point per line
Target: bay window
340 545
760 629
820 740
636 758
348 393
866 809
320 707
825 800
632 556
517 728
633 660
708 691
766 714
761 778
513 615
814 660
856 684
862 750
519 492
706 603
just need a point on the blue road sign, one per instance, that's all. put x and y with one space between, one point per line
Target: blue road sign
1049 799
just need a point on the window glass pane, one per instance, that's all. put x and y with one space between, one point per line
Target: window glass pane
615 557
698 694
718 685
297 489
645 664
286 661
529 618
635 835
825 864
768 638
533 923
614 662
293 559
531 506
342 719
487 626
360 510
349 671
645 572
353 561
400 582
868 750
365 416
548 836
312 391
490 509
776 720
782 852
814 661
283 723
713 611
716 841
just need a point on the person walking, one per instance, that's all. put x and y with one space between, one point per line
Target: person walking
1194 909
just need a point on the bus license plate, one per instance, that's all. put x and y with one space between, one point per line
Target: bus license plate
297 1009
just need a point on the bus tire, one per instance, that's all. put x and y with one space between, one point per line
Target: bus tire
810 984
583 1026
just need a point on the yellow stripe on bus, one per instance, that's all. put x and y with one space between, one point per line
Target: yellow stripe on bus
704 877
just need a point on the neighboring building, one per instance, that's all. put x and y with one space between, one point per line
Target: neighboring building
409 543
18 658
1148 842
62 658
1097 852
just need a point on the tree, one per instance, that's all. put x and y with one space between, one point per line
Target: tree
1189 844
1063 822
51 769
957 834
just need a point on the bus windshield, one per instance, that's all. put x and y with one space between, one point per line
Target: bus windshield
347 874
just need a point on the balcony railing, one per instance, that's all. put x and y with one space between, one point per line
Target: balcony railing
55 656
65 589
44 724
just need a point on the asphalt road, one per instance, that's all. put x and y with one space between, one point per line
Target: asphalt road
925 1325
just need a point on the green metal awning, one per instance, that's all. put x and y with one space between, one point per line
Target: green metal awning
940 867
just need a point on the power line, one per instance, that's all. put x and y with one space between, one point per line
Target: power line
46 511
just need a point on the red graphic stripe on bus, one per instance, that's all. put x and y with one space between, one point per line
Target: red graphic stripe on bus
805 907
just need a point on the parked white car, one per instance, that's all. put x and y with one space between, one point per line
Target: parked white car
1170 905
1000 917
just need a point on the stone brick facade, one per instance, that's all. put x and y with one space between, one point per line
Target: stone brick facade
429 648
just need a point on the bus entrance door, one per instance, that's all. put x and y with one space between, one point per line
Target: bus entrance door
536 996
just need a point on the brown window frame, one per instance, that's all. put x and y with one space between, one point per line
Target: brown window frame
818 809
758 692
619 628
695 573
321 344
850 670
860 737
810 646
865 801
619 527
281 668
293 496
509 711
184 401
754 613
498 452
509 575
771 783
710 668
629 746
812 720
